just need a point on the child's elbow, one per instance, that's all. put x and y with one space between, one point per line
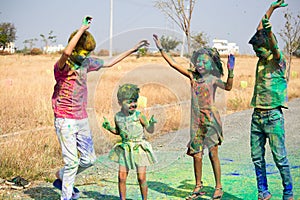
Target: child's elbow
108 64
228 87
150 129
67 53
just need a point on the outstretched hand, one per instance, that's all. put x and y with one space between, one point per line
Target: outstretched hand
143 43
152 120
87 20
106 124
279 3
157 42
266 24
230 62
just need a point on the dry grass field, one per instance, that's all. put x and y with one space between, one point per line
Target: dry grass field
28 142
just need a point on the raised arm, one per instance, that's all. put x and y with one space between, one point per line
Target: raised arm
230 66
274 5
72 44
271 38
123 55
266 25
169 59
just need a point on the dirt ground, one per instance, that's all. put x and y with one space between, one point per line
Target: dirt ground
172 178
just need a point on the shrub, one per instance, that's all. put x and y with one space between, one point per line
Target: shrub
103 52
36 51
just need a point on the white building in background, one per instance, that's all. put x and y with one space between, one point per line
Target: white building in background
9 47
53 49
224 47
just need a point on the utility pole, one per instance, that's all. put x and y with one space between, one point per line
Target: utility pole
111 29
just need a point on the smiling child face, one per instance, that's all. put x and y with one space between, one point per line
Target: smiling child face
203 64
128 106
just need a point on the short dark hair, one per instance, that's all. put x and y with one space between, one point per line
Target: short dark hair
215 57
260 38
128 91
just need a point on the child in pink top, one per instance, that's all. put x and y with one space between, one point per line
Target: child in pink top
69 102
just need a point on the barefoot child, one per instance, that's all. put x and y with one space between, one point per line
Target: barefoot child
69 102
133 152
206 127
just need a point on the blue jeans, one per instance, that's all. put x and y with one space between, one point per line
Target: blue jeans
270 125
78 152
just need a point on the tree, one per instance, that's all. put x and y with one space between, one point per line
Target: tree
50 39
7 33
199 40
31 43
176 11
290 34
168 43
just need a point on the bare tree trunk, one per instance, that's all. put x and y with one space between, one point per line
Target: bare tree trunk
176 11
289 67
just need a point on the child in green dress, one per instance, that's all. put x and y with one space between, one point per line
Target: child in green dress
206 126
133 152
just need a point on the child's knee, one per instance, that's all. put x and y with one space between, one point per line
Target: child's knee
142 182
122 178
213 152
141 179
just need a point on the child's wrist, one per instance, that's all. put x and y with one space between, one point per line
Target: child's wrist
106 126
274 5
275 46
151 124
230 73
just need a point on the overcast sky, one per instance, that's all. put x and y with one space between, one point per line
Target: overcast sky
133 20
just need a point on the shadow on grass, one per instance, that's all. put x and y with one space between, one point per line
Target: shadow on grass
45 193
181 190
98 196
166 189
